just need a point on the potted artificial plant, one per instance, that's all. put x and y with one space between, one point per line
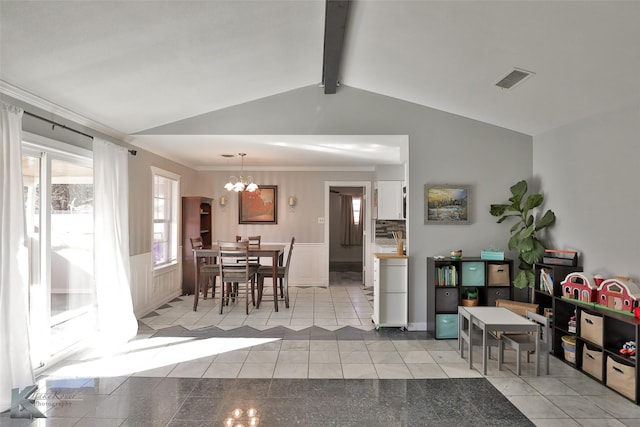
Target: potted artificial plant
524 233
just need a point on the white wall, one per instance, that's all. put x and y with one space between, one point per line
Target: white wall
589 172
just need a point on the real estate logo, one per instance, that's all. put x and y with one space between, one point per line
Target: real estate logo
21 404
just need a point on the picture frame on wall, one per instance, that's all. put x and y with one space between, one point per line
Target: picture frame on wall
447 204
258 207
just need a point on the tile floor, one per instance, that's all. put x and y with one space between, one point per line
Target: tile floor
320 362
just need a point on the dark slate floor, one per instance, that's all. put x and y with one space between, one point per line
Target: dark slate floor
279 402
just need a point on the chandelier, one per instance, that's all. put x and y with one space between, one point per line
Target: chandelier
241 183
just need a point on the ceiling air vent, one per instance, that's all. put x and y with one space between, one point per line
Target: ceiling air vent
514 78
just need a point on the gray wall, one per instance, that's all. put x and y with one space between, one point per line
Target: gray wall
589 171
141 196
443 148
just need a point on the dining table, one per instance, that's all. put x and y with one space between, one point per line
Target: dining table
491 320
264 250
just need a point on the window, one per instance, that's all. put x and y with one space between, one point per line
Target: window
356 203
166 197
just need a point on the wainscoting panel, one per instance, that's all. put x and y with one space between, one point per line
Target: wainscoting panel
309 265
151 290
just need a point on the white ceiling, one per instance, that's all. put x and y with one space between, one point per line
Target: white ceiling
135 65
273 152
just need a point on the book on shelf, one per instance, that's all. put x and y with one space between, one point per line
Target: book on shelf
546 280
446 276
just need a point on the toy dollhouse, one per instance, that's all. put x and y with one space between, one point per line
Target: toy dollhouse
619 294
580 286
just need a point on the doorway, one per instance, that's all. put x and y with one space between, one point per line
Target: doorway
58 188
347 242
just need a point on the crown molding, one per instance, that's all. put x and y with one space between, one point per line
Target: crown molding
327 168
60 111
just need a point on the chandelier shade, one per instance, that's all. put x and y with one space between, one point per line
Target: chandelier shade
241 183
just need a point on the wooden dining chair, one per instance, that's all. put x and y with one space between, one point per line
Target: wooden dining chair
236 273
207 270
254 242
282 272
527 342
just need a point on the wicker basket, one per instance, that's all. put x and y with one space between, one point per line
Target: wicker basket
470 302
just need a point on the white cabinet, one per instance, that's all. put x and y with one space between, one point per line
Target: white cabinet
390 290
389 200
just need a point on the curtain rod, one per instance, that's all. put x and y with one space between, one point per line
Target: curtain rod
132 152
57 124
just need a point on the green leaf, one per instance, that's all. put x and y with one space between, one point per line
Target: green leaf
535 253
514 241
528 232
522 266
530 220
533 201
530 277
505 217
515 204
529 257
539 249
524 279
516 226
518 191
497 210
521 281
547 219
526 244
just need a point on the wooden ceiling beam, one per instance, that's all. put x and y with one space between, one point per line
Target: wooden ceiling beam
335 26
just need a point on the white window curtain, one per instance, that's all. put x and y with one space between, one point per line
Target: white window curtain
350 232
116 321
15 361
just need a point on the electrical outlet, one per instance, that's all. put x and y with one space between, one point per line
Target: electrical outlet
320 220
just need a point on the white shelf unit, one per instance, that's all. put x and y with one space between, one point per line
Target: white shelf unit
390 291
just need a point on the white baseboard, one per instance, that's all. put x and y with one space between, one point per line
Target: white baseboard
417 326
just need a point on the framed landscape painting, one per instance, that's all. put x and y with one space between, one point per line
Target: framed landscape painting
258 207
446 204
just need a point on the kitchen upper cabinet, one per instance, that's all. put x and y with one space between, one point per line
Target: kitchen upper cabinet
390 200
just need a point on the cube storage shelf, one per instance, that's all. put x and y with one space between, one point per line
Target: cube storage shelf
449 280
599 335
543 298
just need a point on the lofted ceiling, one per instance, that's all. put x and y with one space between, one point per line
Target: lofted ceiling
135 65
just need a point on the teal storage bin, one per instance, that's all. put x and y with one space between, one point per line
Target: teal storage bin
446 326
473 274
